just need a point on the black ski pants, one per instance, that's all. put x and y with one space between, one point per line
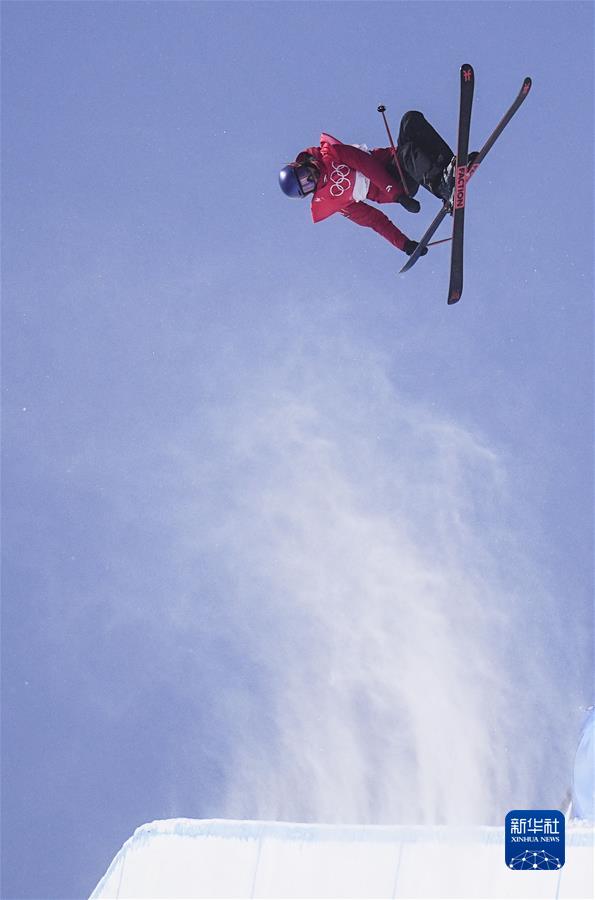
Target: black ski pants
423 154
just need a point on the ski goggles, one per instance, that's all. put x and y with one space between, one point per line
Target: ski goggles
307 177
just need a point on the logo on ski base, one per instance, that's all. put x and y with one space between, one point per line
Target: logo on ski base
534 839
460 186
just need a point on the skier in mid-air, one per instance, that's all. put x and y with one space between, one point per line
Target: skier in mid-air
339 177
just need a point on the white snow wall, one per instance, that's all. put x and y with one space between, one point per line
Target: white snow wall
184 858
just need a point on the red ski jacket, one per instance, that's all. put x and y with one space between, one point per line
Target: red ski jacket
348 176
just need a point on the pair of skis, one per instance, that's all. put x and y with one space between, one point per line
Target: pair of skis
463 173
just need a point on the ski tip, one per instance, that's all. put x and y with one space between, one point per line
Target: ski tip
527 83
454 297
467 71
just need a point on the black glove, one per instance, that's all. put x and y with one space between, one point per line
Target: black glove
411 246
409 203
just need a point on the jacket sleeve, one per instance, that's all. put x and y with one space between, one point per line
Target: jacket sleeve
369 217
368 165
310 153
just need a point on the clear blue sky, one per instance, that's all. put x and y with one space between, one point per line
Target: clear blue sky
279 525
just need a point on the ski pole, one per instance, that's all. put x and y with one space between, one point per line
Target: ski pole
443 241
382 110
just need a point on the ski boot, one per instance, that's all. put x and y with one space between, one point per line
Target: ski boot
471 159
443 186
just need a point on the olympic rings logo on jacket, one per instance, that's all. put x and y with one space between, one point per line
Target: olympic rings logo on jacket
340 181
